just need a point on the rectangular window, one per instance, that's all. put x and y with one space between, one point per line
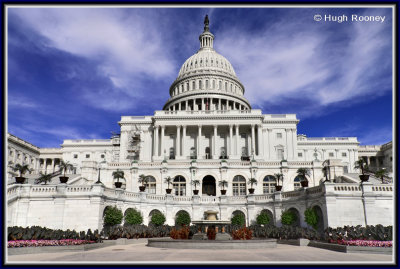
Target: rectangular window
102 156
87 156
280 154
344 154
300 154
75 156
330 154
278 135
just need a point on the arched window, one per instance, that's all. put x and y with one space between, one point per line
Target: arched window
193 85
213 84
207 84
220 85
239 185
179 186
151 185
226 86
296 183
200 85
269 184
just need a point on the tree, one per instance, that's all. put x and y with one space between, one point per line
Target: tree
64 166
263 218
132 216
360 164
158 219
168 180
252 181
196 183
118 174
223 184
143 179
288 217
303 173
112 216
381 173
22 169
238 219
44 178
311 217
183 218
278 177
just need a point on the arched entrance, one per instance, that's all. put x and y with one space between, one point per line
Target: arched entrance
209 186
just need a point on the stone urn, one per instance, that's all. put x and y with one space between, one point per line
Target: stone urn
118 184
211 215
168 191
142 188
251 191
195 192
364 178
223 192
278 188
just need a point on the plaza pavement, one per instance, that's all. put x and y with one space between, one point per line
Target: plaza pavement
139 253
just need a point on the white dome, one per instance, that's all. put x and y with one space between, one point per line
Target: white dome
206 61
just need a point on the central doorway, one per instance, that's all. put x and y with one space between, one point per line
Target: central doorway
209 186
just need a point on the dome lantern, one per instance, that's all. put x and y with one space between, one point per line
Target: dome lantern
206 38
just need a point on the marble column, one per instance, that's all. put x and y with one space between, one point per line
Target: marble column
231 140
198 142
260 141
219 104
237 141
253 142
162 140
178 141
155 138
202 104
183 140
214 144
269 143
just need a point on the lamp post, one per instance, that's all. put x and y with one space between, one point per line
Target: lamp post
98 179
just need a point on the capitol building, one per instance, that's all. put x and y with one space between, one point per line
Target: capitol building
206 131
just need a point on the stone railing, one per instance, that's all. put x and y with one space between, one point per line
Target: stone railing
330 139
207 112
335 189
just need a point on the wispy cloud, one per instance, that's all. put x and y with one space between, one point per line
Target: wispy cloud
305 62
377 136
21 102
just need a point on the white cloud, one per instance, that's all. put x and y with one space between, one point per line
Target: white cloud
289 61
127 47
378 136
20 102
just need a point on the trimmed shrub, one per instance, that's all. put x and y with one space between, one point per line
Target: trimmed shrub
288 217
263 218
132 217
311 217
238 220
158 219
183 218
112 216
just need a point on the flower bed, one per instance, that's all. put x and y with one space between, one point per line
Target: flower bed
363 243
42 243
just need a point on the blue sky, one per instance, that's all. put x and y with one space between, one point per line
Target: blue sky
73 72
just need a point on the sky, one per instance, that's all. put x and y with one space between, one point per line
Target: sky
73 72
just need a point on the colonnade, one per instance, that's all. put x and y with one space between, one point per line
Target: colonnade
204 104
233 148
17 156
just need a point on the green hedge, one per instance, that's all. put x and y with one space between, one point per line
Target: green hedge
238 219
183 218
263 218
288 217
311 217
158 219
112 216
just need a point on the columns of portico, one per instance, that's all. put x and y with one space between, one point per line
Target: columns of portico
269 142
230 140
237 141
179 106
162 139
155 138
183 140
214 144
253 142
187 105
260 141
198 142
202 104
178 141
219 104
289 144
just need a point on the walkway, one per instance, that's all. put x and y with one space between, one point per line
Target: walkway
139 253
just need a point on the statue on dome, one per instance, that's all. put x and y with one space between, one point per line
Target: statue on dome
206 23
